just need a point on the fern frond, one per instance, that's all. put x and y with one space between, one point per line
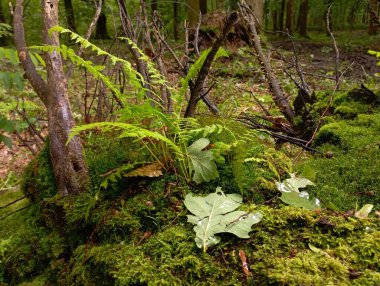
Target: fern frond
127 130
135 77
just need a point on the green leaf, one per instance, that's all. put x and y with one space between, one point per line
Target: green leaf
300 200
6 140
364 211
215 214
292 196
201 162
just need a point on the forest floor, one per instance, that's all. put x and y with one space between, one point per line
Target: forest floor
316 57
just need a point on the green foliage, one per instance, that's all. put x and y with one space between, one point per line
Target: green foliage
38 180
196 67
291 195
216 214
6 126
201 162
377 55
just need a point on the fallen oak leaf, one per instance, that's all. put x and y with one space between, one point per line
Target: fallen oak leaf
153 170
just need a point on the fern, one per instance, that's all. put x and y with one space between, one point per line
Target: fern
127 130
135 77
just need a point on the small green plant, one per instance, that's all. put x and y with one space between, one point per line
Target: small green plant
292 196
215 214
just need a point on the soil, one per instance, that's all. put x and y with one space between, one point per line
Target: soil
14 159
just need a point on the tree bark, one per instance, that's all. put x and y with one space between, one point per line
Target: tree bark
197 87
154 5
193 11
303 18
203 6
101 28
257 7
289 15
68 164
282 15
176 20
2 16
70 16
279 98
372 25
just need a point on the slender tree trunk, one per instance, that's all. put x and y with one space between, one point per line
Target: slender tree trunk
193 11
203 6
176 20
68 164
101 28
289 15
154 5
197 86
282 14
70 16
372 26
2 16
275 20
257 7
303 18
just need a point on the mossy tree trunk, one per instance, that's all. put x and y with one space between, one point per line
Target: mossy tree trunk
68 164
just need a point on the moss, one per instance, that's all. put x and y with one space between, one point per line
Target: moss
38 180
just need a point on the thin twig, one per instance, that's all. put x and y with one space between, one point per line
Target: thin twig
337 55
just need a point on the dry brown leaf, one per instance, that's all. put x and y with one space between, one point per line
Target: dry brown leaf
153 170
244 265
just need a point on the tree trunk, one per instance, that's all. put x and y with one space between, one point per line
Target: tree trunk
193 11
203 6
282 14
372 26
197 86
304 11
275 20
257 7
289 15
2 16
176 20
154 5
70 16
68 164
101 28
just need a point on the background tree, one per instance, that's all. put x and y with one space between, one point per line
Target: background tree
70 16
303 18
289 15
203 6
193 10
373 19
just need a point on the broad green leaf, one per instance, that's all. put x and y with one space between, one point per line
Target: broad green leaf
6 140
300 200
215 214
292 196
201 162
364 211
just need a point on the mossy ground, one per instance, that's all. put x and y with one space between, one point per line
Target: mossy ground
136 232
